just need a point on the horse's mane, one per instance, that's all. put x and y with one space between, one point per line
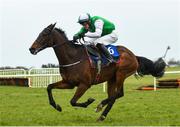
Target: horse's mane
62 32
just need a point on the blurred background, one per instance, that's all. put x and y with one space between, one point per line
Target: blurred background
146 27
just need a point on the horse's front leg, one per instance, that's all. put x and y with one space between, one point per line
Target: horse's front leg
57 85
82 88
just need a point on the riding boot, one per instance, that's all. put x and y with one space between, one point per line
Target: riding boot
105 51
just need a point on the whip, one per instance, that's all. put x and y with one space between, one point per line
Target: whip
166 52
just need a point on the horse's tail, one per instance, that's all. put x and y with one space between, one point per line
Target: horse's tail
147 67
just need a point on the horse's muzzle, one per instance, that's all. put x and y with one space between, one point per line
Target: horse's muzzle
33 51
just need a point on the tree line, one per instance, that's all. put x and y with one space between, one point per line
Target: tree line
49 65
173 62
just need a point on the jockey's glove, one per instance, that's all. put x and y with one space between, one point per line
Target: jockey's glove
75 37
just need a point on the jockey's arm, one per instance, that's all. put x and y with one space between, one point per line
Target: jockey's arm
81 32
98 29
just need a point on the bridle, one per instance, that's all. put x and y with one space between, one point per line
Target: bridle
58 45
46 44
61 44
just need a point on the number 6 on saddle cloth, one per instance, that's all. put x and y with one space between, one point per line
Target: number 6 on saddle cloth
96 55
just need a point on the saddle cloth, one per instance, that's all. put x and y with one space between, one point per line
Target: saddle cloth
96 57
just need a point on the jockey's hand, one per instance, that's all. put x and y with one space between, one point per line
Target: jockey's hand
75 37
81 36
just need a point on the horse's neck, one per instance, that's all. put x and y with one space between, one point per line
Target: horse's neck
65 53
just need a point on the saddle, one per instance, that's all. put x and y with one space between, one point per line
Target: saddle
99 60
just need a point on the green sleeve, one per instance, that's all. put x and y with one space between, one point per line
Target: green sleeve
81 32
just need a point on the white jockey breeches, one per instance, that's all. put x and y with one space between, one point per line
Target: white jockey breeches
106 39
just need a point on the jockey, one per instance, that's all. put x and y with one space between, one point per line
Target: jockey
99 31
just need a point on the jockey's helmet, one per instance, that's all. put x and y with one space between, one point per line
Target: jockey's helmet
84 18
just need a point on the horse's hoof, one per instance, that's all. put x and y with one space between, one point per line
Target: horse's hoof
58 107
101 118
91 100
53 104
99 108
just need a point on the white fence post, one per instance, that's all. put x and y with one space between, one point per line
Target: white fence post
104 87
155 84
50 80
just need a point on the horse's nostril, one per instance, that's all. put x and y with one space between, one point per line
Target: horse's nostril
32 50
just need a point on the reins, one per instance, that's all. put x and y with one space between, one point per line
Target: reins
71 64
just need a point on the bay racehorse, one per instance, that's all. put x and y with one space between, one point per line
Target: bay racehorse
76 70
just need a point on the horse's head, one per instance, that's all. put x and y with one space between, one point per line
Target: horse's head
43 41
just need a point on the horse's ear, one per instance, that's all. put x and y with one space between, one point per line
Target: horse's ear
54 25
51 26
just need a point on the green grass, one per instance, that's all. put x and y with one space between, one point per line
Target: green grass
29 106
22 106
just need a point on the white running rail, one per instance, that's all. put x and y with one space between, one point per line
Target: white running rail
41 77
37 77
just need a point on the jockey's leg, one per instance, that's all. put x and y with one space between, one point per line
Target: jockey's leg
90 41
105 51
106 40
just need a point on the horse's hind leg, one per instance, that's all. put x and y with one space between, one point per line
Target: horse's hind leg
79 92
105 101
57 85
115 91
111 87
127 68
110 101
